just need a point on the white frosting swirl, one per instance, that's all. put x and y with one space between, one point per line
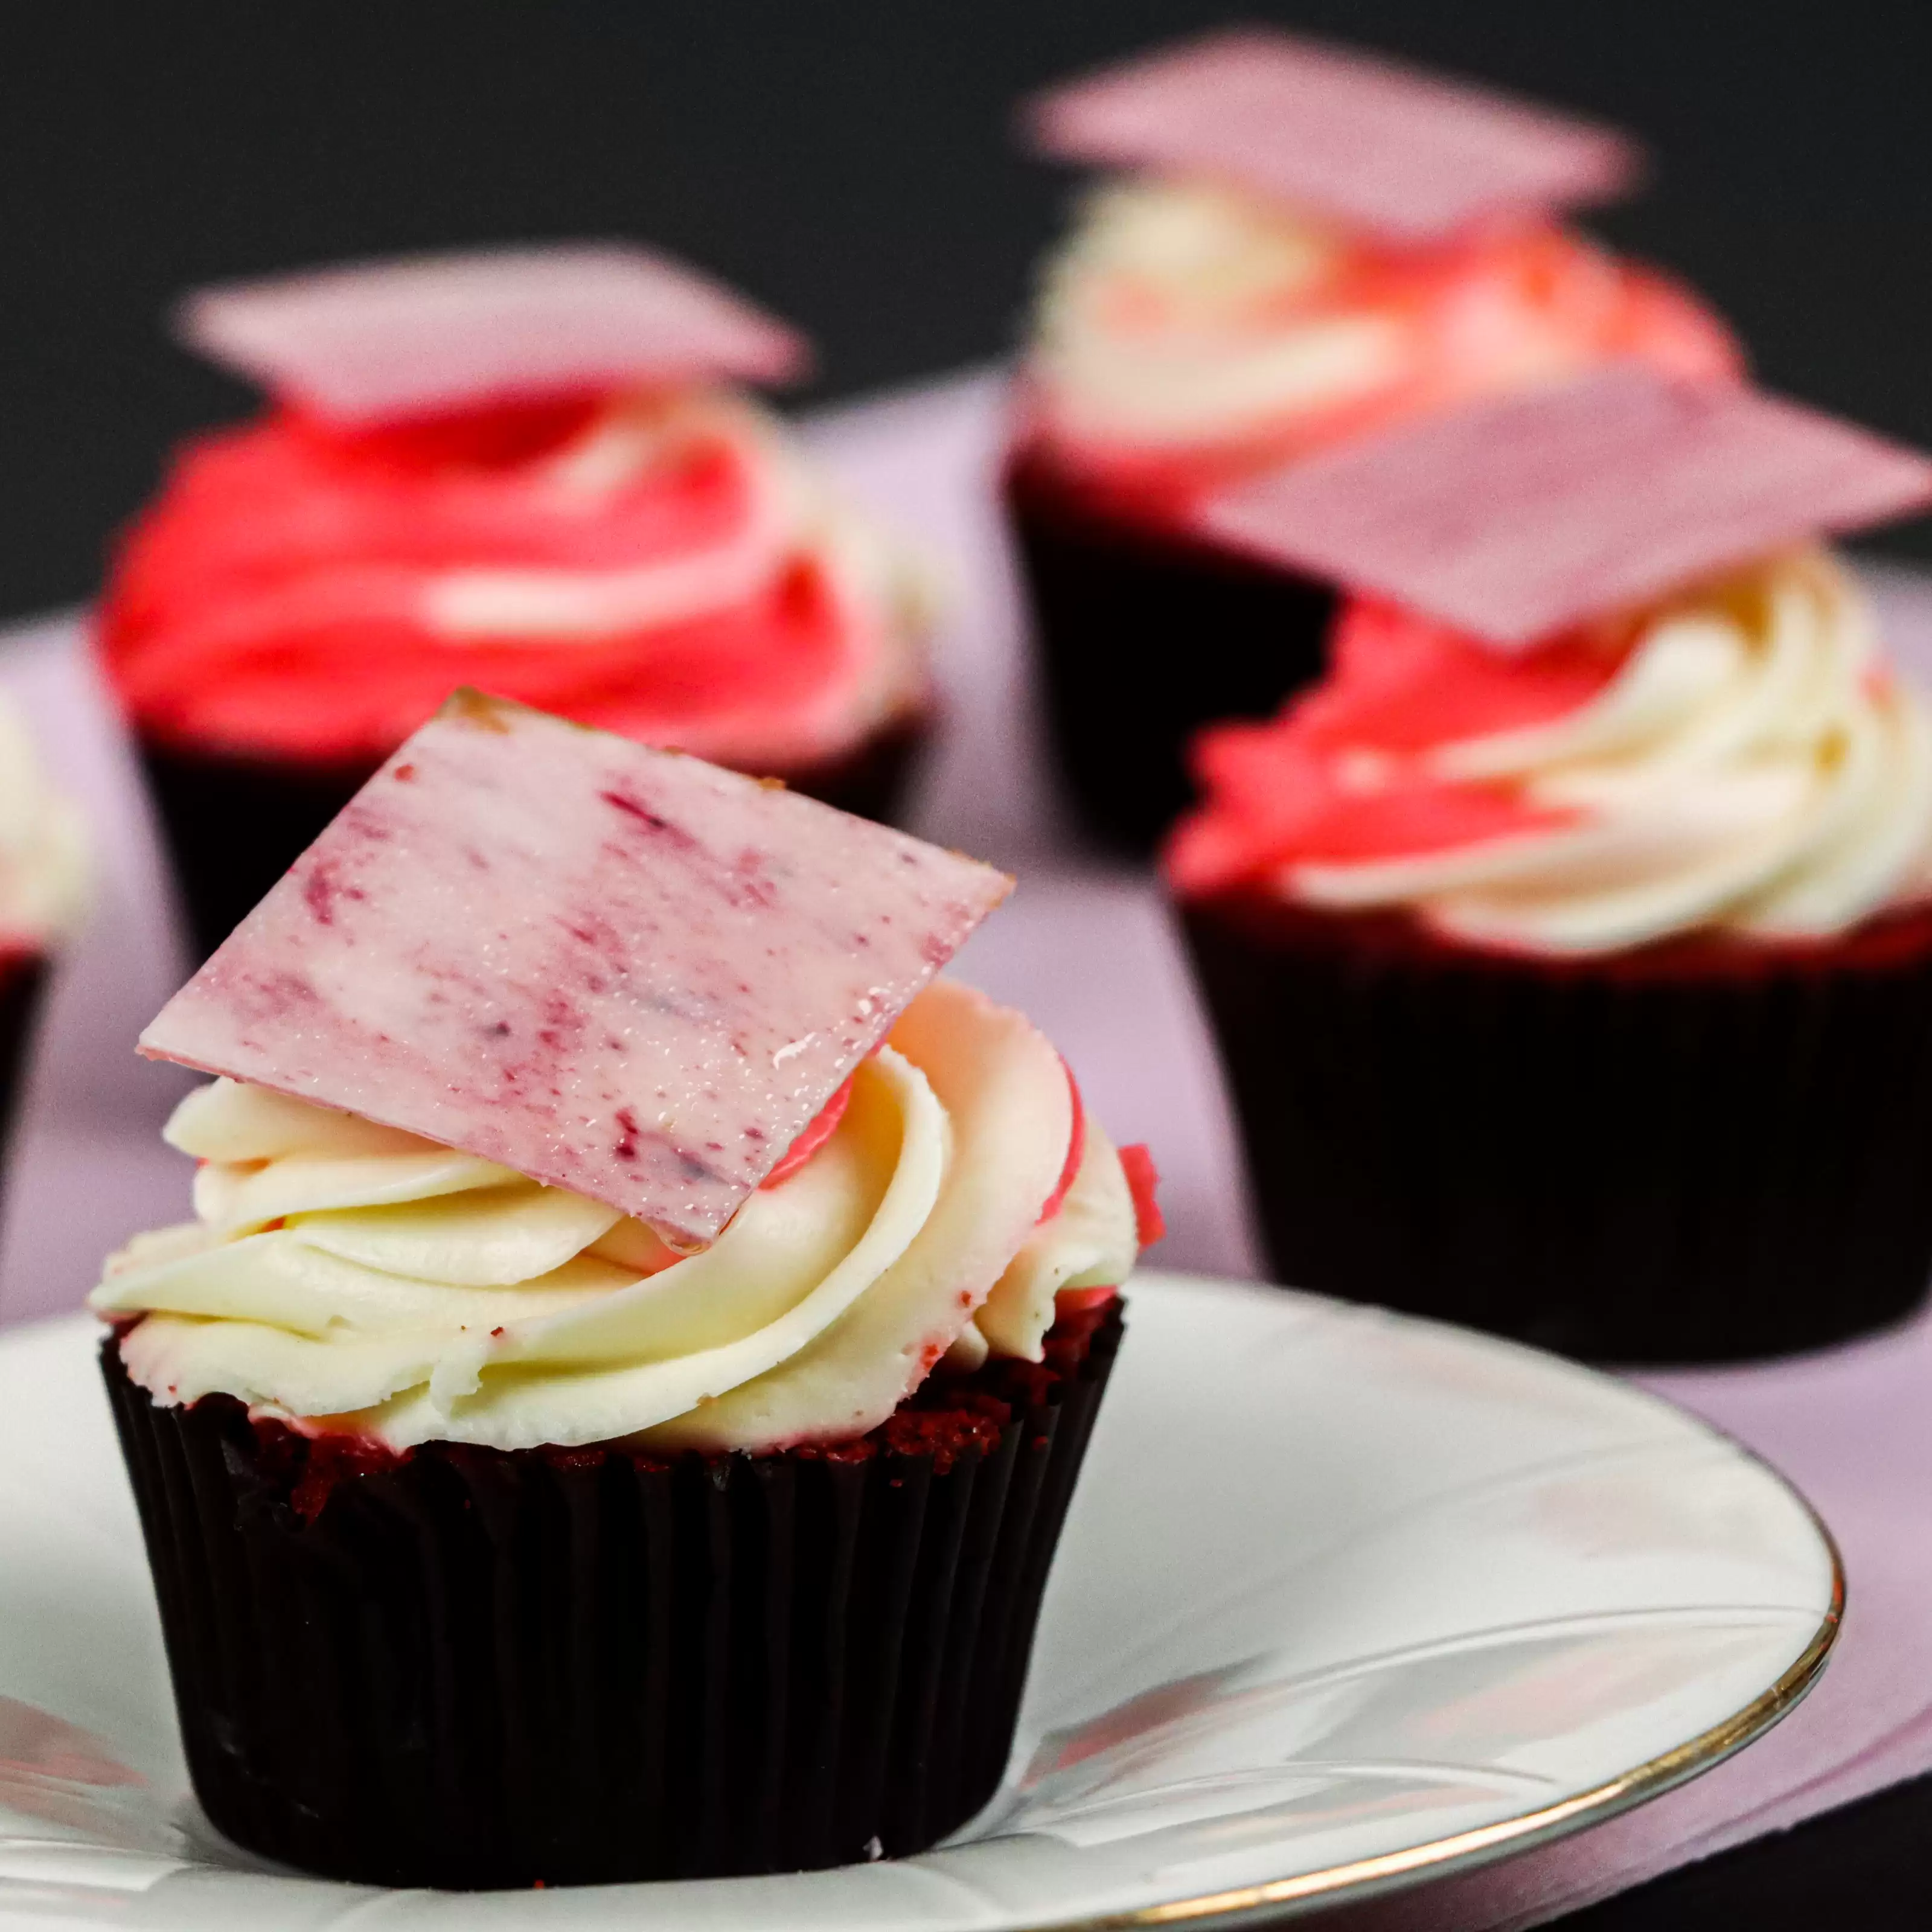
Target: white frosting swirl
1176 313
794 510
43 865
1182 315
1752 767
887 590
677 569
361 1278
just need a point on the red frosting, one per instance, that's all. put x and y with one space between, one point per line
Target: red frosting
824 1125
1460 303
1137 1164
272 601
1083 1300
1279 794
1076 1151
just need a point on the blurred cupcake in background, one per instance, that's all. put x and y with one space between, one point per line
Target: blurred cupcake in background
44 879
1569 943
529 470
1306 245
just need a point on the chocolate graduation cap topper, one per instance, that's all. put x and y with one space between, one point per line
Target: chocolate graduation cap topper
1520 517
1357 137
615 970
416 334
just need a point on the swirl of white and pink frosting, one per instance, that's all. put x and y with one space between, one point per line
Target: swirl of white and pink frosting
662 563
1187 332
352 1279
1738 760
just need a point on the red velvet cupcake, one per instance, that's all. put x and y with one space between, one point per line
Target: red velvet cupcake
1238 303
520 470
1582 990
614 1414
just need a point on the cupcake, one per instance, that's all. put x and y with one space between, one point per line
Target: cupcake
43 892
1569 944
1306 246
612 1415
532 470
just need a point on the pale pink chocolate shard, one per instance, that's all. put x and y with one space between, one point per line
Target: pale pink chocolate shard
1520 517
414 334
1356 137
615 970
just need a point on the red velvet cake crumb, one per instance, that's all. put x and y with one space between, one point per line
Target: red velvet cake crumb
313 1464
944 1434
946 1417
1076 1150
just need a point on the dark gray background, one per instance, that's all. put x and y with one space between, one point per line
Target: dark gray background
848 161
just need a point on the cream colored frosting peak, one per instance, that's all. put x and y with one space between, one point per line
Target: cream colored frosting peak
1177 313
1753 766
889 591
793 511
351 1275
1185 321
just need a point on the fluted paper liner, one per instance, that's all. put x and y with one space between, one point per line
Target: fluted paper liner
23 981
480 1668
1700 1155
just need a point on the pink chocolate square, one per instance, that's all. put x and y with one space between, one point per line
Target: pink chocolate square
1519 518
418 334
615 970
1356 137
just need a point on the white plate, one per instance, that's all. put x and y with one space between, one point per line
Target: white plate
1345 1598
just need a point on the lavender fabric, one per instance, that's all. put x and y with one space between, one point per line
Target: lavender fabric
1088 950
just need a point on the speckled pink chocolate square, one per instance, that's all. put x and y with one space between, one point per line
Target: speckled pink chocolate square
1357 137
421 333
615 970
1519 518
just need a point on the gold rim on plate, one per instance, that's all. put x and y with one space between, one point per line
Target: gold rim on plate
1479 1847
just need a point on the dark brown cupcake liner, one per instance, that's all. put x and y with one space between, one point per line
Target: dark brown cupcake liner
23 981
1144 636
1700 1153
468 1667
23 978
235 825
